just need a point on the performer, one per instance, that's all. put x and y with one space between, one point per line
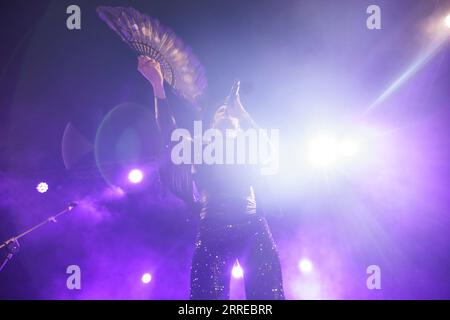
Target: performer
230 226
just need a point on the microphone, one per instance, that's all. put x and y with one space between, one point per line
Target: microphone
72 205
235 88
234 92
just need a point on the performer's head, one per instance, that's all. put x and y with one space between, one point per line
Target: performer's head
223 120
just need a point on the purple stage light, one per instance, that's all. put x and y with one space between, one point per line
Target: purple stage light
146 278
305 265
135 176
237 272
42 187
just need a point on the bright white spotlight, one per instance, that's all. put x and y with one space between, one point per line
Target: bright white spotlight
305 265
447 20
135 176
348 148
42 187
146 278
237 271
322 151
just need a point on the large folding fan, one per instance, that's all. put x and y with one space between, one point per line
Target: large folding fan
145 35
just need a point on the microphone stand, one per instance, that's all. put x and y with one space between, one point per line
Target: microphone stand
12 245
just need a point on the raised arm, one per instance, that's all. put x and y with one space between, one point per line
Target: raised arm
237 110
165 120
177 178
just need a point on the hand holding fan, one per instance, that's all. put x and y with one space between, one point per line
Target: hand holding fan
145 35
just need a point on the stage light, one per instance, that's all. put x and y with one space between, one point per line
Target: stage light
305 265
322 151
237 271
348 148
42 187
135 176
146 278
447 21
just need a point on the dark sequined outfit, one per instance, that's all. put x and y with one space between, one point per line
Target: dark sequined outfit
230 227
218 245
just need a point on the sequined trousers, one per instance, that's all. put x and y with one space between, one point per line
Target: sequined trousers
219 243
